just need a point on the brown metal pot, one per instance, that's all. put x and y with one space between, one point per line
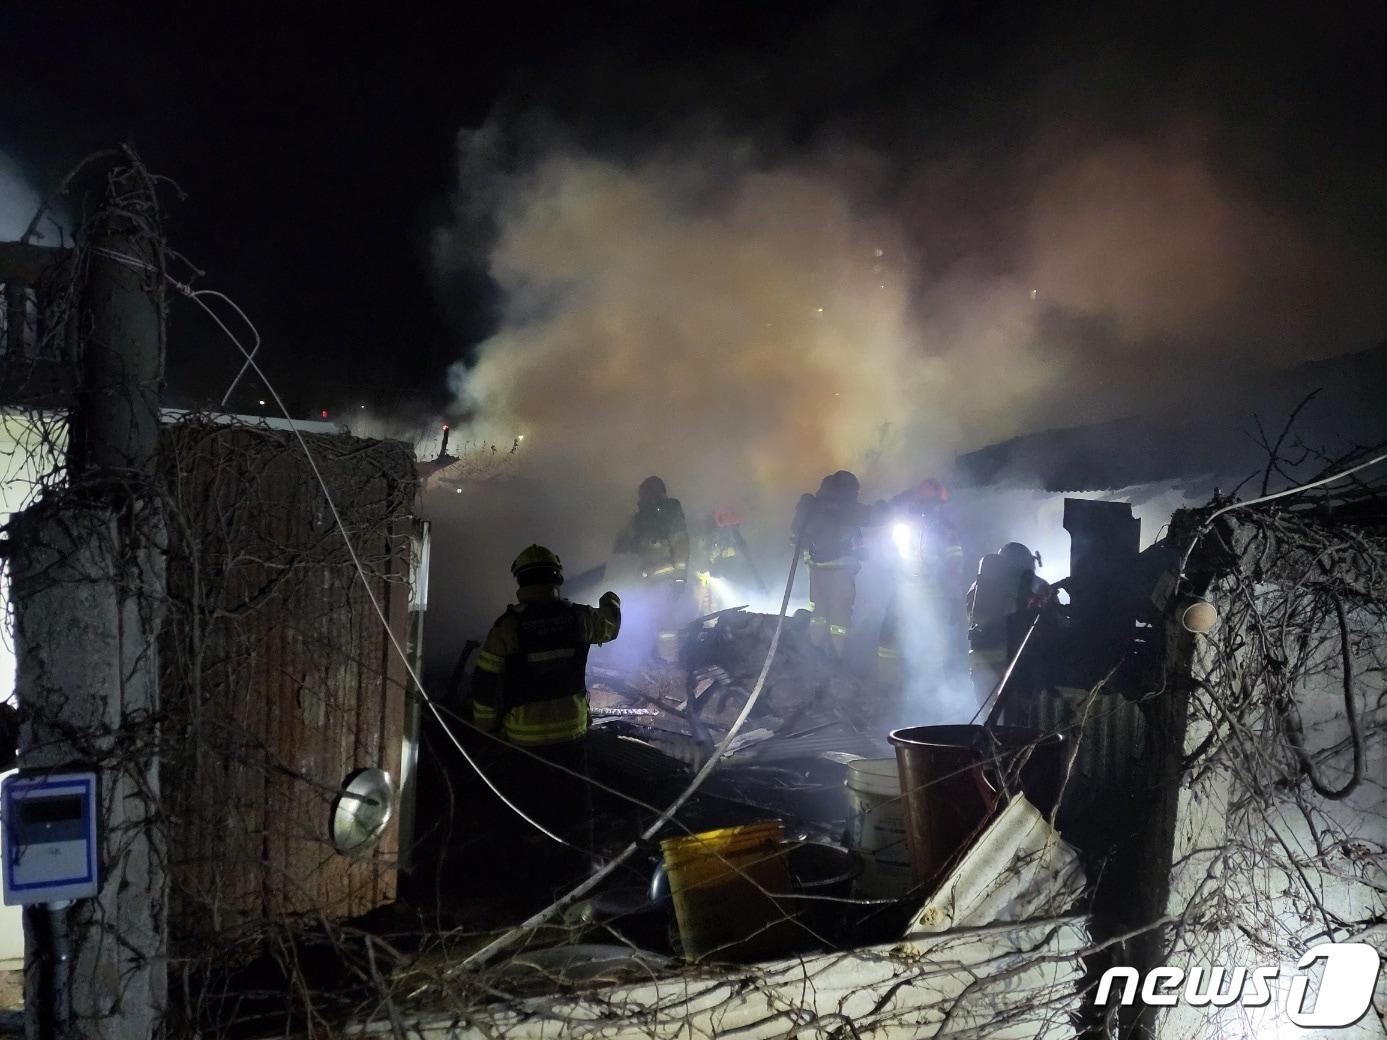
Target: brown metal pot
954 778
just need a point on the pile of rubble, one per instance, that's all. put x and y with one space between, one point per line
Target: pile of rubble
812 717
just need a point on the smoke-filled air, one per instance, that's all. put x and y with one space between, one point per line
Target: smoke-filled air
18 200
743 325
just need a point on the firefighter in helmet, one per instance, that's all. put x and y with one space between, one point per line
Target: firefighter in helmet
723 554
828 525
928 569
530 687
659 536
1001 604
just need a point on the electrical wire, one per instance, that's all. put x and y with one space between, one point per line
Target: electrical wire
196 296
481 956
370 593
250 358
1285 493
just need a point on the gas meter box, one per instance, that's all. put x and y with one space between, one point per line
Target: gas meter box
50 837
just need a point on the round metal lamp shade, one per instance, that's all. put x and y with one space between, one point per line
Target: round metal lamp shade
362 809
1199 616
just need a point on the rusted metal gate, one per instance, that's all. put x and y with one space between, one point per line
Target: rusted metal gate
279 678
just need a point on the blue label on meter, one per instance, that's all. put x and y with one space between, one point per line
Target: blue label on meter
50 837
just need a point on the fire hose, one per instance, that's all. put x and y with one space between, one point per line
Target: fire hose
1000 691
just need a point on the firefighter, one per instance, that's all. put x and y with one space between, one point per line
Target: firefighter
828 525
722 552
530 686
928 577
659 536
1001 604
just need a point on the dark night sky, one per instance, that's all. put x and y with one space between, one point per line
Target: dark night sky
316 144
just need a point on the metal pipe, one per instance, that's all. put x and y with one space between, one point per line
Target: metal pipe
54 1017
996 713
15 347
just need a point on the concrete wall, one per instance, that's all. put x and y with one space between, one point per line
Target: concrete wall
1250 880
25 455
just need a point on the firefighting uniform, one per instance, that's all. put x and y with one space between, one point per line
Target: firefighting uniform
1000 606
530 685
829 528
720 550
659 535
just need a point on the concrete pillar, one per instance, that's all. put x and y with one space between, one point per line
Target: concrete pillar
86 621
88 590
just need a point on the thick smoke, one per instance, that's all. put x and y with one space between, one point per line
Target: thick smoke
743 325
751 325
740 329
18 200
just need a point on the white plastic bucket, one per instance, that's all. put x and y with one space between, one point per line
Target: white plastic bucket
876 828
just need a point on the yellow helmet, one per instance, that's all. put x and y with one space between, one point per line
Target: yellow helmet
537 566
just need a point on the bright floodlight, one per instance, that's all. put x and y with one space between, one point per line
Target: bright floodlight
903 536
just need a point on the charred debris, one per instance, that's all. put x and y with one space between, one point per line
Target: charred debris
1146 684
796 760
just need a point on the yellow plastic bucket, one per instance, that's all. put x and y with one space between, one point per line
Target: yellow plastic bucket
722 882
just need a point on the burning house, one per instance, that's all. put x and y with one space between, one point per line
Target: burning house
1214 787
1076 734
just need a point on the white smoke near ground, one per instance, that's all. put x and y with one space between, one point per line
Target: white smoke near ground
18 200
743 326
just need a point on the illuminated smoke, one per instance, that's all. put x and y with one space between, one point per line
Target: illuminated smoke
759 325
743 326
741 335
931 641
18 201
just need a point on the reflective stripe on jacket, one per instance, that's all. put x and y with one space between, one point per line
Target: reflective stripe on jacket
659 535
549 721
530 678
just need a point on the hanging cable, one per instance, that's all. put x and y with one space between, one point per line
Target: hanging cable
1208 524
250 358
196 296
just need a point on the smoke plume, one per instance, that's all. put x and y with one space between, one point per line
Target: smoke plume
743 323
748 325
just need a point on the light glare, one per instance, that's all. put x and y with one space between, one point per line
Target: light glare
903 536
